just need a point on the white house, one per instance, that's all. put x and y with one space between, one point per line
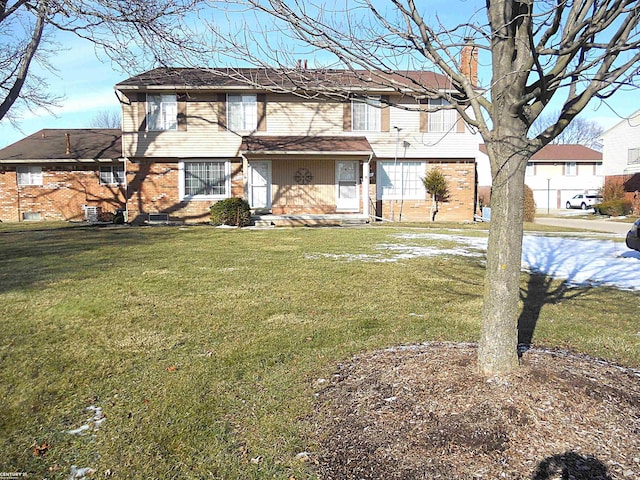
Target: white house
621 147
555 174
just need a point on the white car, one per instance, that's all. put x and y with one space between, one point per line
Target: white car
583 201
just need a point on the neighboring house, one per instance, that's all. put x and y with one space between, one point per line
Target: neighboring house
555 174
621 156
62 175
193 136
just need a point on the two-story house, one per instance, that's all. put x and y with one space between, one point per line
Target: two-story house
191 137
621 157
555 174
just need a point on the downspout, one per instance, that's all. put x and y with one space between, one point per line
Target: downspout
366 174
395 171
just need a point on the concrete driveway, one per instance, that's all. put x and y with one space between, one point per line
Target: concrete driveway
595 225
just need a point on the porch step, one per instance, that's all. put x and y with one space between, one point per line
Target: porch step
262 223
308 220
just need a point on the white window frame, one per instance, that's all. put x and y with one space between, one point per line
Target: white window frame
370 111
183 167
32 216
29 175
242 112
111 174
633 157
570 169
409 174
598 170
441 119
162 112
530 170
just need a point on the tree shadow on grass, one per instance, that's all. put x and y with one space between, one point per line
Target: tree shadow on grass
541 290
571 466
30 257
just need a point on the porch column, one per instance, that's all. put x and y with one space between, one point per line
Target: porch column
365 187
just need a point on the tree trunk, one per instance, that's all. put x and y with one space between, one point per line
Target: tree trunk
497 349
509 150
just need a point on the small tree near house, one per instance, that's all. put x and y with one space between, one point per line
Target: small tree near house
436 185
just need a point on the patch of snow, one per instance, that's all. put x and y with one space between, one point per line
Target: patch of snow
579 261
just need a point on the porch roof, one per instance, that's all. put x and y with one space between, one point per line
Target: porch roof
334 145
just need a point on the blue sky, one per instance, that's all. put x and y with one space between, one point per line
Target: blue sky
86 83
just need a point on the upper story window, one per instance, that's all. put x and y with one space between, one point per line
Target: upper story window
598 169
206 180
634 156
162 112
112 175
570 169
365 115
441 118
29 175
531 170
401 180
242 112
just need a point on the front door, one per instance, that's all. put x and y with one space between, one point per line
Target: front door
260 184
347 186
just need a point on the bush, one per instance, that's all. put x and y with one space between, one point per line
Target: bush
231 211
529 205
614 208
613 190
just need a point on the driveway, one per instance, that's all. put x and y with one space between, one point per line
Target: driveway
608 226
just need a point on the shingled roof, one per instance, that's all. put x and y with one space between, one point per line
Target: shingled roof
281 80
305 145
562 153
63 145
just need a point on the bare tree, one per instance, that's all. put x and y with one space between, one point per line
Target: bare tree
106 119
540 50
130 33
580 131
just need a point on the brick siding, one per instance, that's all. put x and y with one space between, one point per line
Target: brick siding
153 187
64 191
460 177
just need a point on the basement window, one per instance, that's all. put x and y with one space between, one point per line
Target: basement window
31 216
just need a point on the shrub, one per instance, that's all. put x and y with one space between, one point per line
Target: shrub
231 211
613 189
529 205
436 185
614 208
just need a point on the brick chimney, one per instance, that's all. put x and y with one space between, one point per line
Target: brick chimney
469 61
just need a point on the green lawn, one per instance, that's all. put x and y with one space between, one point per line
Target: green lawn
203 346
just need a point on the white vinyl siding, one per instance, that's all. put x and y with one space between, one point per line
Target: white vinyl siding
29 175
401 180
162 112
365 115
242 112
441 119
112 175
205 179
530 170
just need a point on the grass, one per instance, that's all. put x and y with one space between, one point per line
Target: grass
203 346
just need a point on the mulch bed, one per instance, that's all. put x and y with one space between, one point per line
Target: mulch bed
422 412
